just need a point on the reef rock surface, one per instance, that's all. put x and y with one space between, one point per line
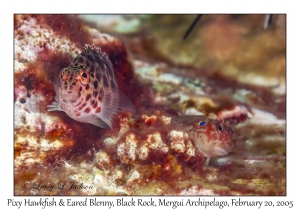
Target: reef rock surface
229 68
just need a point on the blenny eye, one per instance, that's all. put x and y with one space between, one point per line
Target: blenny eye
201 123
220 128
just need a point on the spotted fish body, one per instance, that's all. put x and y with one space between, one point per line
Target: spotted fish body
88 91
211 138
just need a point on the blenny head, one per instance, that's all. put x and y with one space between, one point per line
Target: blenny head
211 137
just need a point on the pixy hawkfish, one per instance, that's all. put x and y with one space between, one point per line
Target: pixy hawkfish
87 90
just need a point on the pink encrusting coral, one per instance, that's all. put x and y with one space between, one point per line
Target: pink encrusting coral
235 145
153 137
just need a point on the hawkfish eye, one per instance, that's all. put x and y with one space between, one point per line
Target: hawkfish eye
83 77
201 123
220 128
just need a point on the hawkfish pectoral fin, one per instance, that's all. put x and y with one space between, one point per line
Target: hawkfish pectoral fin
54 107
113 103
97 121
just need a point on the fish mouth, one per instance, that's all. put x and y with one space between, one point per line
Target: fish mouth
220 151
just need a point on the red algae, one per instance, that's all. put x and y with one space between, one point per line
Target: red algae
66 25
153 139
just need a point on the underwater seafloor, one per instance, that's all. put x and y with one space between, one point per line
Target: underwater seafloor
229 68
